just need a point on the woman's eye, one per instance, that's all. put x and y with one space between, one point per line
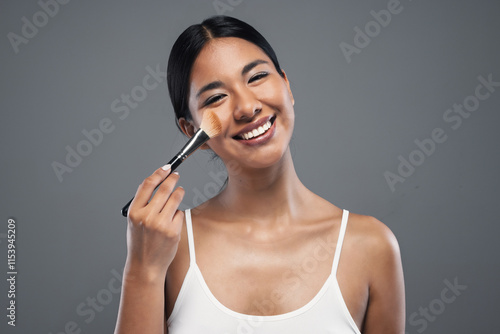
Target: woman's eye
258 76
213 99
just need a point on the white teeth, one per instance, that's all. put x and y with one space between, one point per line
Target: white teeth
257 132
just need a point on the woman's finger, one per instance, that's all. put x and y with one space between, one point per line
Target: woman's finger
171 206
163 193
146 188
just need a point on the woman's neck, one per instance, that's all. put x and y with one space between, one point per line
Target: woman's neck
265 194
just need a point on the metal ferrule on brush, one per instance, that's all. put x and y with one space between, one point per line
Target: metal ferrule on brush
198 139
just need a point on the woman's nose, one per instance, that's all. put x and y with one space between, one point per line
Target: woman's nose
247 105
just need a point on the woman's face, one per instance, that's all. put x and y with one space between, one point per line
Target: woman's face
239 82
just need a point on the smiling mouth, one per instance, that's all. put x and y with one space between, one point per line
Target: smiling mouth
257 132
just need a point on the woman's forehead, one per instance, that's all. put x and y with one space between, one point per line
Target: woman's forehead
226 54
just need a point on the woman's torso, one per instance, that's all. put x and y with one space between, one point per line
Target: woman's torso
251 269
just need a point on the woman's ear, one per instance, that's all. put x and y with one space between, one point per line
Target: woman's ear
288 86
189 129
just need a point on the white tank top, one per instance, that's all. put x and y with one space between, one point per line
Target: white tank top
197 311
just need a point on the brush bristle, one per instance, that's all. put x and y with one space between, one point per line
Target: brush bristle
211 124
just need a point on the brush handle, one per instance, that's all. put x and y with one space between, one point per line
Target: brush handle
176 161
199 138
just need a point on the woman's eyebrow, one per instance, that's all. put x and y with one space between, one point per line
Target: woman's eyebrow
212 85
251 65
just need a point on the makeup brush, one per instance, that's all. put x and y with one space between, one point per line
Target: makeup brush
210 127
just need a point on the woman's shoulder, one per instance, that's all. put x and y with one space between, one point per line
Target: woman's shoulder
373 240
366 232
370 233
372 248
364 229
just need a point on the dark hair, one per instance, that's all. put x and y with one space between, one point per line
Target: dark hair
189 44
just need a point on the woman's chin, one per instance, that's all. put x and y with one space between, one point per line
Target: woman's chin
261 159
270 153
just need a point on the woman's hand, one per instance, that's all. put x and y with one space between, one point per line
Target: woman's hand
154 226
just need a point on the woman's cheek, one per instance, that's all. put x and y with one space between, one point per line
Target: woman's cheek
266 92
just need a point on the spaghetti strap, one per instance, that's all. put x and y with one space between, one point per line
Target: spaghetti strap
189 227
340 240
196 309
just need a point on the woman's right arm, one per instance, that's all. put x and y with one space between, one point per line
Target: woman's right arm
153 235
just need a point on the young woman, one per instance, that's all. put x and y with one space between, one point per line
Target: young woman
265 255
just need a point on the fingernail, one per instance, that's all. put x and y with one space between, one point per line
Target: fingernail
166 167
176 173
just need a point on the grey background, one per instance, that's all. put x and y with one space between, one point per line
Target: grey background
353 120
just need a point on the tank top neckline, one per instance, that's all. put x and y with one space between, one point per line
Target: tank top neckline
331 280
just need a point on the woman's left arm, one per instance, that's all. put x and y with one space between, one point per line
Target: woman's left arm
386 305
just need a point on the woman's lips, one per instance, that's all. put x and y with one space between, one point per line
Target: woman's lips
253 126
257 131
261 138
